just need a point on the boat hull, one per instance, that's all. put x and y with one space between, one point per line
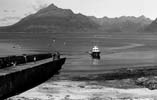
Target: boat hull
95 55
17 82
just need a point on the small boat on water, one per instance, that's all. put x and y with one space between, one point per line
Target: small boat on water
95 52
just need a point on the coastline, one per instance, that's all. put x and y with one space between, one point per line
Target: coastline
7 49
74 90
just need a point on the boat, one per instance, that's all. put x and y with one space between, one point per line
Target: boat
95 52
23 72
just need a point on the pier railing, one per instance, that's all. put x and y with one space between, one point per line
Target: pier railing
22 59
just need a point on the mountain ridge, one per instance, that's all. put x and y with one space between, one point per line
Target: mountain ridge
123 23
54 19
152 27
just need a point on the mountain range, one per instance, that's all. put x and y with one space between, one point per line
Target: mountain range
122 24
54 19
152 27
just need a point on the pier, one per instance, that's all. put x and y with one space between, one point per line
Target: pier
19 78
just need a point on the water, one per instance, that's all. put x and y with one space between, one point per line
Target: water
121 51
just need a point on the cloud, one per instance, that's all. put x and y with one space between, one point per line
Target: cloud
39 5
10 18
28 13
13 10
9 11
5 10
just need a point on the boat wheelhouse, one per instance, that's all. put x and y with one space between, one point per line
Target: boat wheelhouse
95 52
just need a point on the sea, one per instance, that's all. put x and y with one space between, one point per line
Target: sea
80 76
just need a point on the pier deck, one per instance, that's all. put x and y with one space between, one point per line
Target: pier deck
17 79
21 67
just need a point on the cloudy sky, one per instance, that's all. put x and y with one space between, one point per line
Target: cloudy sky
12 11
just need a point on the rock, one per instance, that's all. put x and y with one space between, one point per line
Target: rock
148 82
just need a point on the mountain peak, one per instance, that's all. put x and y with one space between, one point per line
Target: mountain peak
142 16
152 27
53 10
52 6
48 9
155 20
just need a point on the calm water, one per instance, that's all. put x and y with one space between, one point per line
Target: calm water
116 51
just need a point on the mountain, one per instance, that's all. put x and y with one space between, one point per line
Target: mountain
152 27
54 19
124 23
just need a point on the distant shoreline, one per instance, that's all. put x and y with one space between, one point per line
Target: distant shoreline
7 49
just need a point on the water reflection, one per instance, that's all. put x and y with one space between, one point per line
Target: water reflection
95 61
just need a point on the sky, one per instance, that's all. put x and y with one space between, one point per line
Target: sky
11 11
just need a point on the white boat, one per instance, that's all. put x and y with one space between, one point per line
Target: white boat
95 53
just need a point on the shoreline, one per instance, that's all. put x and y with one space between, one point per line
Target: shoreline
7 49
74 90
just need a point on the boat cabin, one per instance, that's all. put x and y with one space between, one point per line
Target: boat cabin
95 52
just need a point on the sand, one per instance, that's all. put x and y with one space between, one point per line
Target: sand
74 90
